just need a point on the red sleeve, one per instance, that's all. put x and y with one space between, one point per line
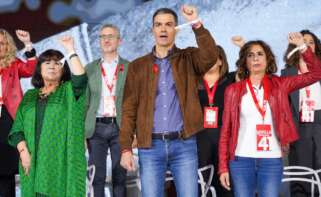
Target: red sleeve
26 69
225 134
296 82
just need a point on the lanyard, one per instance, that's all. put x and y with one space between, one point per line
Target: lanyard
262 109
1 98
210 93
307 88
308 92
109 86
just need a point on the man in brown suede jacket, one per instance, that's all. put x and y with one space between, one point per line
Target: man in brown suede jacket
162 108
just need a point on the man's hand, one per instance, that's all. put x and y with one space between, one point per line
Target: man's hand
127 161
189 12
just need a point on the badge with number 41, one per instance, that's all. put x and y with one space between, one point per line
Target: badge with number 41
307 111
263 137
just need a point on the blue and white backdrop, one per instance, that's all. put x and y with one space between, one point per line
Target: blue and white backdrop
269 20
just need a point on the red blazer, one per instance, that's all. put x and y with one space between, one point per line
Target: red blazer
11 88
280 87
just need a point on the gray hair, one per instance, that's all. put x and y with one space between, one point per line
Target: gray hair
108 25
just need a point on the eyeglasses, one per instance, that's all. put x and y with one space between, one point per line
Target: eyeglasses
52 62
108 37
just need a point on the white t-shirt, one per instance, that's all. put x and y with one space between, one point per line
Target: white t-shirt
249 118
110 69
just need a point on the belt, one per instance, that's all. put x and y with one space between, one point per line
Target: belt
106 120
167 135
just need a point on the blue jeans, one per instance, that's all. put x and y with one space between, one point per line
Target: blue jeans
261 175
178 156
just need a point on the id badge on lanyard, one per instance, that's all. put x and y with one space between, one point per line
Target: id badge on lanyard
210 113
263 131
307 108
110 101
263 137
210 117
109 106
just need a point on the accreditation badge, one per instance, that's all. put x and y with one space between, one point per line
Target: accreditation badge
109 106
210 117
263 137
307 111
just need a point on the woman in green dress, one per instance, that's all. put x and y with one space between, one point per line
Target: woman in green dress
49 127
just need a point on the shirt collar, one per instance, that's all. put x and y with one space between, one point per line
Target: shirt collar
170 53
115 61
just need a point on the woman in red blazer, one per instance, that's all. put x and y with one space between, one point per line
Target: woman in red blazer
11 70
307 150
257 120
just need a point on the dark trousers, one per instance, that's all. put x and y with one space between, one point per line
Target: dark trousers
106 137
306 152
8 157
7 186
207 147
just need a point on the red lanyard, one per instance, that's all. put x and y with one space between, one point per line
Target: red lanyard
1 98
109 86
308 92
210 93
262 110
307 89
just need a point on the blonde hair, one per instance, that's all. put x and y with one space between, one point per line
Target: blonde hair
10 56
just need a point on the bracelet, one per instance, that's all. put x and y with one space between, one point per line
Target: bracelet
72 55
30 54
301 47
195 25
28 45
196 21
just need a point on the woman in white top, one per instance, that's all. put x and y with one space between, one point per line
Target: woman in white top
257 120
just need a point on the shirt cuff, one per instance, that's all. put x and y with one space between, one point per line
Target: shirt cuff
16 138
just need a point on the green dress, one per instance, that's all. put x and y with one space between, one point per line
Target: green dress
54 132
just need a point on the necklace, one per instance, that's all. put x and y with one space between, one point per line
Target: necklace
44 95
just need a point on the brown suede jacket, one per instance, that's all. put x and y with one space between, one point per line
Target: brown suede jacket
141 86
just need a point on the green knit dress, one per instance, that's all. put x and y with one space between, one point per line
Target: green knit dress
53 129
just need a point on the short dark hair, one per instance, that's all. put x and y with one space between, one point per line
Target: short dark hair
242 70
48 55
295 58
165 11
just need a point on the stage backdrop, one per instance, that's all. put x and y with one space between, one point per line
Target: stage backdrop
253 19
269 20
